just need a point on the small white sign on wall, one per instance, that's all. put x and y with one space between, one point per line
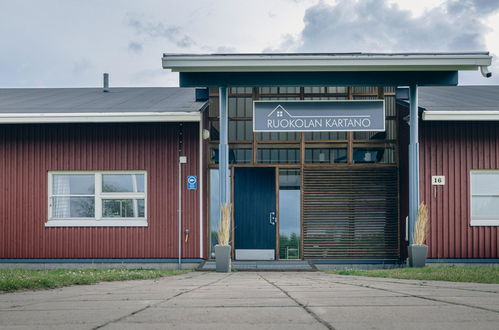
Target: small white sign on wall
438 180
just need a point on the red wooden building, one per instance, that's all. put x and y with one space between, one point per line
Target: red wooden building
90 174
459 141
94 176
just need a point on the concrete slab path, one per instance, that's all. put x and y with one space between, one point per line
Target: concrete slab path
256 300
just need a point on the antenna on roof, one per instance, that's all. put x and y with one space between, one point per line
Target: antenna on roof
106 83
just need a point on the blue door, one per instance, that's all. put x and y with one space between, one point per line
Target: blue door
254 213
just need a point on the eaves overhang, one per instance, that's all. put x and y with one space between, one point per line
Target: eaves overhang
102 117
326 62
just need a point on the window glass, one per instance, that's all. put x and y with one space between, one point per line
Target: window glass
484 198
485 183
374 155
123 208
278 155
289 213
73 196
73 207
485 207
73 184
122 183
326 155
214 209
325 136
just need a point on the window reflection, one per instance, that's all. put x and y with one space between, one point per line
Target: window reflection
214 209
289 213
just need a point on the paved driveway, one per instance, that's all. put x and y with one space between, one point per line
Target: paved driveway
248 300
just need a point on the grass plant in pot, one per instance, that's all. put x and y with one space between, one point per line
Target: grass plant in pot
418 251
222 249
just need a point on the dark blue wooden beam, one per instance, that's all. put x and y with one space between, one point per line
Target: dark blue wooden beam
362 78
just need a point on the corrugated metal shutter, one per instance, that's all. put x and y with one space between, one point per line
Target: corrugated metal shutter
350 213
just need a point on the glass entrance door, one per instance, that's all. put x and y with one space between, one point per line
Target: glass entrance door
289 213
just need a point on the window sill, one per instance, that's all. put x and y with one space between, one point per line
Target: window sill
97 223
482 223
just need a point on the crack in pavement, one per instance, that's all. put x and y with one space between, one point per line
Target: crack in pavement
411 295
426 284
159 302
308 310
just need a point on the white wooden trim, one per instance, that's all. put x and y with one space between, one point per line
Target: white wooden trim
482 115
255 254
101 117
96 223
475 223
324 62
99 220
481 222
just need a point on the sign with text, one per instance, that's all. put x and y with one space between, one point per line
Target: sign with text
319 116
438 180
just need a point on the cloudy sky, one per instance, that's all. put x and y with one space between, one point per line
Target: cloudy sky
70 43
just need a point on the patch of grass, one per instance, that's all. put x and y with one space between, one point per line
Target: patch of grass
18 279
454 274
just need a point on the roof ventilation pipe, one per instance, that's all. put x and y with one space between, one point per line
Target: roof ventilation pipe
485 71
105 89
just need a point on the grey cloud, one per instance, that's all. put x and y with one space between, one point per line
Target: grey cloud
375 26
135 46
159 30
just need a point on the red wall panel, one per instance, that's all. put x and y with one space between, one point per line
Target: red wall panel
453 149
28 152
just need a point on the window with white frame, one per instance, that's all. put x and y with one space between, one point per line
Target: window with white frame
97 198
484 197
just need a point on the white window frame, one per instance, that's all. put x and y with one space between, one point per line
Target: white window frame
481 222
99 220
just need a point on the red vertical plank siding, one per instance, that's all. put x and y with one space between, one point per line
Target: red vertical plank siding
453 149
28 152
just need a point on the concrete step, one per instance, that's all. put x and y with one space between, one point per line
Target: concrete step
275 265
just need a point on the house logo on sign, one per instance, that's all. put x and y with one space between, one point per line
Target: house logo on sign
279 111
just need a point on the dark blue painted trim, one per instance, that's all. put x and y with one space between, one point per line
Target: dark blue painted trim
361 78
99 261
472 261
354 262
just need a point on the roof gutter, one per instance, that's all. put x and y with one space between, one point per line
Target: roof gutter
485 115
101 117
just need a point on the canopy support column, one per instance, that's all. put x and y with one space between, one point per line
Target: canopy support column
413 160
223 150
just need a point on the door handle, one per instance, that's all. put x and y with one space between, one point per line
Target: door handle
272 218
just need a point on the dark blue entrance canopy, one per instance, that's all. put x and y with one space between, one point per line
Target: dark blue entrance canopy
359 78
325 69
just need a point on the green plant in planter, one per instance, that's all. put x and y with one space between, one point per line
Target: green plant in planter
419 250
222 249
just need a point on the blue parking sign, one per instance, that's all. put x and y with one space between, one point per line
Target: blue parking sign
192 182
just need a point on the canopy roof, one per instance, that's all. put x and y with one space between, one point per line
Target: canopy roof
308 69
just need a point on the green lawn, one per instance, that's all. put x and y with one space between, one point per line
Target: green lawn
454 274
18 279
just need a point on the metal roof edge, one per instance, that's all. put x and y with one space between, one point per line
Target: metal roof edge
101 117
461 115
325 62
